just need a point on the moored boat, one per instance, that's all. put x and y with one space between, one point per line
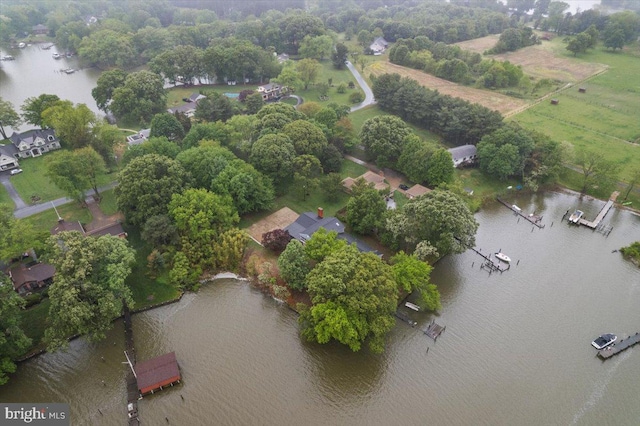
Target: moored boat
604 341
412 306
576 216
56 56
503 257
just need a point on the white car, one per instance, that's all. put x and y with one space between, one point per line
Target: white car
16 171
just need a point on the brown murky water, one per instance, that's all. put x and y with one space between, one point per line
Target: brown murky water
516 350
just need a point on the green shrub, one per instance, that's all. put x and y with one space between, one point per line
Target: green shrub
356 97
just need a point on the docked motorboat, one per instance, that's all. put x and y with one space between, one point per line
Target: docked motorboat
604 341
576 216
503 257
56 56
412 306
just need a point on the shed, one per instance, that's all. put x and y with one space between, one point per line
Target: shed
582 89
155 373
416 191
555 101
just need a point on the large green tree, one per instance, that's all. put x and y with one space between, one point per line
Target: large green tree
294 265
13 341
201 217
33 107
439 217
412 274
205 163
339 56
146 186
354 297
73 124
307 138
308 69
167 125
505 151
365 209
17 236
440 168
8 116
76 171
273 155
107 83
596 171
140 97
318 47
383 138
89 288
306 177
250 190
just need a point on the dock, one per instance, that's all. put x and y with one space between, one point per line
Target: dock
532 217
404 317
620 346
132 382
596 224
434 330
491 264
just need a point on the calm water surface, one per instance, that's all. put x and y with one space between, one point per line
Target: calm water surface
516 350
34 72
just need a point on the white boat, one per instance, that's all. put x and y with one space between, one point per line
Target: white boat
8 58
69 71
604 341
56 56
576 216
412 306
503 257
21 45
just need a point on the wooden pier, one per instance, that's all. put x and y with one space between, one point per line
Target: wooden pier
532 218
620 346
132 382
493 265
596 224
434 330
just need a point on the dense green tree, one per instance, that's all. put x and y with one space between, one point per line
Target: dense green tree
294 265
69 35
13 341
8 117
17 236
181 62
412 274
76 171
306 175
440 167
105 138
161 146
318 47
439 217
332 187
546 161
306 137
159 231
365 209
166 125
339 56
414 159
215 107
383 139
33 107
230 248
107 48
253 103
73 124
596 171
354 297
308 70
183 274
201 217
613 37
216 132
505 151
323 243
107 83
298 26
273 155
250 190
140 98
146 186
289 77
89 290
205 163
579 44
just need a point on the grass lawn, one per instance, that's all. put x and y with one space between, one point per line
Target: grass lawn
34 322
108 203
605 118
359 117
4 197
483 185
351 169
146 291
70 212
33 182
327 71
176 94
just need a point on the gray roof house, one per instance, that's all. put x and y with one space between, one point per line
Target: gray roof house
32 143
189 108
463 155
379 45
309 222
139 137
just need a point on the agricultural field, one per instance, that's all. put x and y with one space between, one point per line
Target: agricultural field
604 119
490 99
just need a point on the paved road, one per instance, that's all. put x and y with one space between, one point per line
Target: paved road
368 94
27 211
4 179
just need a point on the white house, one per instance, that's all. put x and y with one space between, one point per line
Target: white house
463 155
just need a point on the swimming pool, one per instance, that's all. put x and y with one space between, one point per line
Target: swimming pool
232 95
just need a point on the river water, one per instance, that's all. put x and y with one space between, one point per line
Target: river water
34 72
516 350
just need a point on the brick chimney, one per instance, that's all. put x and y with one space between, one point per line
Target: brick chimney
320 212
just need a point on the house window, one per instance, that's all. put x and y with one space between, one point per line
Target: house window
51 138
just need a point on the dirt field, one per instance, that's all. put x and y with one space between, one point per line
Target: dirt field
538 61
278 220
491 100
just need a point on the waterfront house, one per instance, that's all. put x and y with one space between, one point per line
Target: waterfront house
27 279
378 46
155 373
189 108
139 137
39 29
32 143
309 222
463 155
7 160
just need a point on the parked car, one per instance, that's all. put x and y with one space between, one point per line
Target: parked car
16 171
403 187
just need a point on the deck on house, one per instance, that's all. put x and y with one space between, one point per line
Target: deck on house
619 346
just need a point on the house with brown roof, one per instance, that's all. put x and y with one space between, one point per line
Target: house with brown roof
115 229
416 191
27 279
155 373
370 177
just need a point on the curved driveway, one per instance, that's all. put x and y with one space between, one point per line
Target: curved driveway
4 179
368 94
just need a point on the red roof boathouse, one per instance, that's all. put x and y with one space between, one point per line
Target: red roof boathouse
155 373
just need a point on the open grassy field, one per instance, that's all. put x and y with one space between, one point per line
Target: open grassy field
32 184
108 203
492 100
605 118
